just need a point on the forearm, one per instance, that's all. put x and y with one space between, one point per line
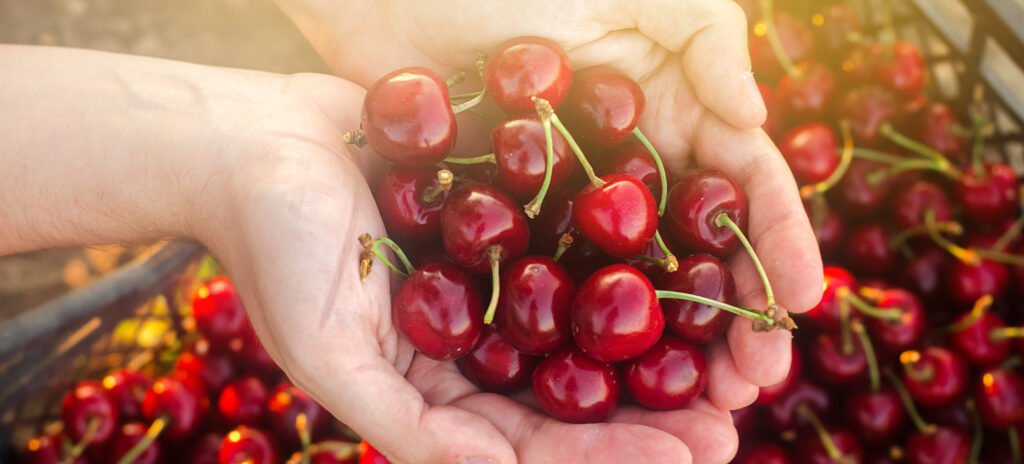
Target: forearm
101 148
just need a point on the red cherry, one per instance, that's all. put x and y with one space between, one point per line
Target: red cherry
934 376
527 67
668 376
633 159
811 151
967 283
329 456
213 368
894 336
439 310
911 202
976 340
812 450
371 455
878 416
620 216
42 450
999 393
127 389
249 351
574 388
835 364
533 313
867 250
520 152
783 412
127 437
703 275
867 108
285 404
923 274
695 203
826 313
855 194
496 366
89 403
771 394
218 310
900 68
477 218
204 450
945 445
989 197
410 201
180 404
604 107
934 126
764 453
616 315
807 94
242 402
796 40
407 117
247 445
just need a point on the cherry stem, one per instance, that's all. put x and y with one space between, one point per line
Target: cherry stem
564 242
494 255
91 428
432 194
463 96
909 360
302 426
1009 235
844 327
979 433
455 79
947 227
845 158
1006 333
768 19
758 316
1014 444
878 176
908 403
888 314
875 155
354 137
869 353
980 306
547 113
981 129
152 433
371 248
826 440
488 158
670 263
965 255
723 220
918 148
532 208
662 177
999 256
469 104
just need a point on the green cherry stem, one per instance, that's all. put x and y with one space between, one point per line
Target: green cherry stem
547 113
878 176
947 227
908 403
432 195
723 220
670 263
979 432
494 256
479 97
768 19
488 158
826 440
757 316
564 242
371 249
980 306
846 339
845 158
917 147
152 433
463 96
888 314
662 177
532 209
455 79
91 428
967 256
1009 235
875 155
869 353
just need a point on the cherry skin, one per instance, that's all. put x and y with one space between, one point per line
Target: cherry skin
218 310
878 416
867 108
633 159
764 453
855 195
616 315
807 95
999 394
243 401
810 150
826 313
620 217
923 274
694 204
976 341
668 376
127 389
181 404
937 378
867 250
989 197
520 152
371 455
45 449
604 107
901 68
527 67
894 336
946 445
934 126
783 413
439 309
833 364
796 40
410 209
533 312
967 283
770 394
477 217
913 201
215 369
327 456
249 446
703 275
812 451
285 404
127 436
572 387
248 350
496 366
407 117
88 402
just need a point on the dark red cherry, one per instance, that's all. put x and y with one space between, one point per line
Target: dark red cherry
571 387
878 416
828 228
935 126
520 152
247 445
807 95
496 366
527 67
179 403
867 108
616 315
214 369
812 450
695 203
620 217
333 456
477 217
894 336
89 403
911 202
668 376
900 67
836 364
796 40
783 412
533 312
703 275
945 445
999 394
934 376
408 119
218 310
439 309
127 437
923 274
46 449
249 351
745 419
967 282
603 108
410 201
811 152
976 340
285 404
764 453
826 313
242 402
204 450
770 394
633 159
867 250
127 389
991 196
855 194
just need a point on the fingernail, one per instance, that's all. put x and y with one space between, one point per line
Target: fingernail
750 87
476 460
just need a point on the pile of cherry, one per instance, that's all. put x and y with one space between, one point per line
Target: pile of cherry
917 359
224 401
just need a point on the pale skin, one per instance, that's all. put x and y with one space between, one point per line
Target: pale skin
101 148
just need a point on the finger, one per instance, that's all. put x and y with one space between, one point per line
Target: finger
706 430
727 388
761 357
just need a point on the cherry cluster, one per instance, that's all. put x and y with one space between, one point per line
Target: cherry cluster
587 303
215 406
915 360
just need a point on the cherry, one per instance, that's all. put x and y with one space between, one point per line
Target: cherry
771 394
204 450
496 366
334 456
477 218
904 332
810 150
249 446
878 416
696 202
867 249
923 274
520 153
934 126
619 215
407 117
912 201
242 401
126 440
944 445
999 394
439 310
807 93
783 412
371 455
900 68
571 387
180 406
533 312
214 369
867 108
976 338
603 107
858 196
826 313
846 447
934 376
616 315
410 201
707 276
764 453
668 376
127 389
90 415
633 159
285 404
218 310
967 282
527 67
42 450
836 364
989 196
796 39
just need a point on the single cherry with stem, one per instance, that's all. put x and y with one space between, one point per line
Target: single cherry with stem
496 366
981 336
875 412
706 276
125 448
934 376
126 388
524 68
284 406
247 445
828 446
803 394
935 126
868 108
90 417
837 359
530 159
410 201
999 395
572 387
896 334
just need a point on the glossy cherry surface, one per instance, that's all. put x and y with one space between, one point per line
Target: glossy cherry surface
408 119
496 366
867 108
999 394
285 404
604 107
894 336
811 150
826 313
527 67
812 450
247 445
88 402
946 445
520 152
807 95
616 315
783 413
695 203
572 387
125 439
867 250
900 68
127 389
935 126
180 404
533 312
975 339
936 378
878 416
703 275
477 217
439 309
836 365
966 282
668 376
989 196
215 369
242 402
910 203
218 310
633 159
620 217
407 203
